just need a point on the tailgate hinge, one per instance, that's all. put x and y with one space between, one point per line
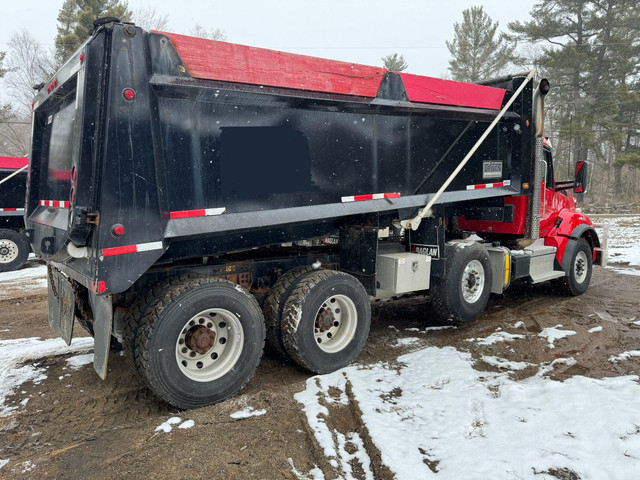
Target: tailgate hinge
93 218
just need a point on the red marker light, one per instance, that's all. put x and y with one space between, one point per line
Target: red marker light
129 94
81 57
118 230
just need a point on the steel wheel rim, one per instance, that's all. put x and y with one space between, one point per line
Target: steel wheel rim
8 251
580 267
473 279
208 364
335 323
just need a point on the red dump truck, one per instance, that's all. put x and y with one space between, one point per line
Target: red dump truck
14 246
192 197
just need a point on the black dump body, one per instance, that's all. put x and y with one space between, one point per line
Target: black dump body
192 167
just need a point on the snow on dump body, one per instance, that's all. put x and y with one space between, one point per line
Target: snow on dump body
434 408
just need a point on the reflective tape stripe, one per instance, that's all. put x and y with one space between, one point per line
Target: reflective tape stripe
54 203
21 210
141 247
204 212
372 196
506 183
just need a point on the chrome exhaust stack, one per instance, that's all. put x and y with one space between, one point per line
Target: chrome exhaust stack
533 232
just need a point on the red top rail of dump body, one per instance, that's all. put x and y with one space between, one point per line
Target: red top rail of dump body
228 62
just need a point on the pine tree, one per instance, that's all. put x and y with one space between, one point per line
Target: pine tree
75 21
478 53
591 50
395 63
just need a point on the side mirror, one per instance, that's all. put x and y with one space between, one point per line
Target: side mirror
580 184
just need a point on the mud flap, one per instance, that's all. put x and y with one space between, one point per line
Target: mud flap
62 304
102 317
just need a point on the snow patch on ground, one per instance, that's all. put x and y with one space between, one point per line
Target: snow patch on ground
38 271
403 342
187 424
30 278
625 271
422 412
624 356
167 426
15 353
595 329
554 333
431 329
246 413
497 337
80 360
314 474
506 364
623 242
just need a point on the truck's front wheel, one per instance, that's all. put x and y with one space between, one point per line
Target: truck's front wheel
462 294
201 342
579 275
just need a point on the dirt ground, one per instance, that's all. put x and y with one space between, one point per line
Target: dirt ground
77 426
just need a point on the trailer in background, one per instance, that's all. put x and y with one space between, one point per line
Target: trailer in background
14 247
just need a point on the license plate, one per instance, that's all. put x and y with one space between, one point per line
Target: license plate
62 305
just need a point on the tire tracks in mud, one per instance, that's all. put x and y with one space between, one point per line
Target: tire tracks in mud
83 408
356 455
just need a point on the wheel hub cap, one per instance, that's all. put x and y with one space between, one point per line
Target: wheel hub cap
209 345
336 323
325 319
473 281
200 339
8 251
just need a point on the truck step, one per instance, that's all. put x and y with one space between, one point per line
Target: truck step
543 277
542 262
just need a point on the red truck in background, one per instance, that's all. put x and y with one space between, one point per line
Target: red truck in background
14 247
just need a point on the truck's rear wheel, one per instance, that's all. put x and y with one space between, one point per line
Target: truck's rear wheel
326 321
274 305
464 291
14 250
579 276
200 342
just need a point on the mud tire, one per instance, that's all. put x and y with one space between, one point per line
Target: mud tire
14 250
579 276
166 319
317 292
450 295
274 305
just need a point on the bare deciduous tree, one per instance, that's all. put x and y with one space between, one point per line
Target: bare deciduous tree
211 34
149 19
27 64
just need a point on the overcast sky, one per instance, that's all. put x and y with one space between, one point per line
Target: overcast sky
359 31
